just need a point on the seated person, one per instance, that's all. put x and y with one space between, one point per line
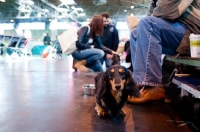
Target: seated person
165 32
132 21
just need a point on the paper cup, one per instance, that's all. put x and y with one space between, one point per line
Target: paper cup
195 45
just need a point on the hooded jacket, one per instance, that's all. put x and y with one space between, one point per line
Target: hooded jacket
184 11
110 37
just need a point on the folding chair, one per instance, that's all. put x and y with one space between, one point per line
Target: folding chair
24 49
4 43
1 45
20 48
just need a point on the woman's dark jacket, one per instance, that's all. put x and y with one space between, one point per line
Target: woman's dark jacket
84 36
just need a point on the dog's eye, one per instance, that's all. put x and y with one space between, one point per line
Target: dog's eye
110 75
123 75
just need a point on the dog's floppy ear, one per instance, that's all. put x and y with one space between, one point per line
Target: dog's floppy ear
100 84
130 84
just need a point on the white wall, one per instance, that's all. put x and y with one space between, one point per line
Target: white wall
123 33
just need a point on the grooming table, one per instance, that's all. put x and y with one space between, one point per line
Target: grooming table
187 84
190 86
185 60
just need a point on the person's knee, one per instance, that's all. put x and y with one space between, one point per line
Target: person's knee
101 53
143 21
146 21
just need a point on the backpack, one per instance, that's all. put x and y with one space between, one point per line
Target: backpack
68 40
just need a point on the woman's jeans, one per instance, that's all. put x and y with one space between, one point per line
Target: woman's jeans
152 38
92 57
108 62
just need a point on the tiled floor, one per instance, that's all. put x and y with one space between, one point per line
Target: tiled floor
45 95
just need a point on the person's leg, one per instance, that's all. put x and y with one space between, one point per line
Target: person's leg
108 62
154 37
96 66
73 64
87 56
102 59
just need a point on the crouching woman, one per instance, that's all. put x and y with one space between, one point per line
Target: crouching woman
88 57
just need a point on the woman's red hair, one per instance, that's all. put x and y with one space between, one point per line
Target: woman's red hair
96 26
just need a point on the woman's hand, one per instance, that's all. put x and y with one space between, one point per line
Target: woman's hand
113 52
108 56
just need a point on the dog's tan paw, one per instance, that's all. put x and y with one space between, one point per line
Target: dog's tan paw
100 111
122 112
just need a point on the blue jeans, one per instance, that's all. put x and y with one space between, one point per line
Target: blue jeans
108 62
152 38
92 57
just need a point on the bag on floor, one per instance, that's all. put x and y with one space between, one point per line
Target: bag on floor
68 40
49 52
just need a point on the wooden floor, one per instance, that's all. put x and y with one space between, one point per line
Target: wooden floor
42 95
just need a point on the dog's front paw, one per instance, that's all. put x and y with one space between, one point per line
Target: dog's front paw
100 111
122 112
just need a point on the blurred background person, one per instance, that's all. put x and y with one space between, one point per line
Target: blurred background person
89 46
47 39
110 38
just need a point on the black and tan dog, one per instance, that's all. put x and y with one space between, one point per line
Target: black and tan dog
115 59
112 90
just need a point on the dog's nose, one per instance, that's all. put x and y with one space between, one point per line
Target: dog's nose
117 87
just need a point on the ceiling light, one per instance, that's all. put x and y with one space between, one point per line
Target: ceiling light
3 0
30 2
79 9
125 10
62 9
132 7
81 14
68 2
99 2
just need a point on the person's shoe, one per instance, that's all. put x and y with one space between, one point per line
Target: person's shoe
74 62
148 95
80 65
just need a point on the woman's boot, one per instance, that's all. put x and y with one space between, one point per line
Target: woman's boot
80 65
74 62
